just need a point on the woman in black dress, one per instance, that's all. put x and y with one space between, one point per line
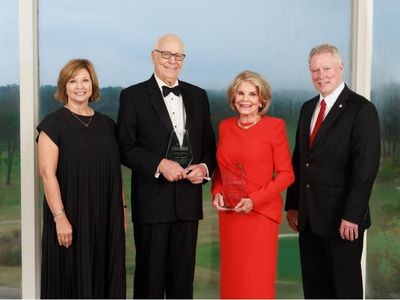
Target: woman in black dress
83 242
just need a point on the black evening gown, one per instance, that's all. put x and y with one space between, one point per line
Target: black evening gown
89 175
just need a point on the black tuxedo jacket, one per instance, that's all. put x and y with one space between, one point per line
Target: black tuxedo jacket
335 176
144 129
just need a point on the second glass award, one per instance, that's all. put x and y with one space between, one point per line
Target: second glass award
234 186
179 148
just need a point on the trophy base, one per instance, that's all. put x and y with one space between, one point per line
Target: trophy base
231 201
228 207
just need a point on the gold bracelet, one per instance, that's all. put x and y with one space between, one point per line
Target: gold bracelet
58 212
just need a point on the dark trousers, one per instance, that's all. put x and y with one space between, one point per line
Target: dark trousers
331 267
165 260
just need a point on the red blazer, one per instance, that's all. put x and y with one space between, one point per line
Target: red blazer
264 154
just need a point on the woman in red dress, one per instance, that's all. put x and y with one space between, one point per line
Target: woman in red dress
254 167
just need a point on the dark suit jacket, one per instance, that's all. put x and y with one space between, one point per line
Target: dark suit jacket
334 178
144 129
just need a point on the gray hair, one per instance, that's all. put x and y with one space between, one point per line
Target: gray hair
325 48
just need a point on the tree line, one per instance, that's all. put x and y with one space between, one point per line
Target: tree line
285 104
9 128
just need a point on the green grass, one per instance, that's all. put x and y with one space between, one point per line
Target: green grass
208 256
10 194
383 258
288 259
10 277
10 217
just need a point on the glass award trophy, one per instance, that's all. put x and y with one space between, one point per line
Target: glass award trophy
179 149
234 186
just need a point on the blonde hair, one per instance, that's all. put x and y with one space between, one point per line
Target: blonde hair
325 48
68 71
263 88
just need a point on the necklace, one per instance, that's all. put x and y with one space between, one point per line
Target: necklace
248 125
79 119
85 124
70 106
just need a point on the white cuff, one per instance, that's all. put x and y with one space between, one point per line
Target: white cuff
157 174
207 177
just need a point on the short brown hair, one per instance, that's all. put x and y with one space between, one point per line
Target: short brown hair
263 88
68 71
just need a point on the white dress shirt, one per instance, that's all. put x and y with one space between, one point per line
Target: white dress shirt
176 109
329 100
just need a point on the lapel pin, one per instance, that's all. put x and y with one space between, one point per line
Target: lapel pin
340 105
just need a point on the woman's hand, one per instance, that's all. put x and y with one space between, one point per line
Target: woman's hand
245 206
218 202
64 230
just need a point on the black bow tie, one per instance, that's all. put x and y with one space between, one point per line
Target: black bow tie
166 90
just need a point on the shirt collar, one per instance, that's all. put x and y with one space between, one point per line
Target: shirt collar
160 83
331 98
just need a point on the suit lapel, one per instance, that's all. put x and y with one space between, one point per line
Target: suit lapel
308 112
337 109
157 101
187 99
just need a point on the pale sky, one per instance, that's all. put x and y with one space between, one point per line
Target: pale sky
386 41
222 38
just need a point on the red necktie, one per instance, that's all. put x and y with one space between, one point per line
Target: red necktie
318 123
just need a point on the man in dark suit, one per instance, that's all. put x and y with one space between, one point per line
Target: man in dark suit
166 196
336 159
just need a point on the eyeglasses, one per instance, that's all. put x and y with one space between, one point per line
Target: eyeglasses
168 55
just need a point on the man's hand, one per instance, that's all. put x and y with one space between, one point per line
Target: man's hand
196 173
171 170
292 218
348 230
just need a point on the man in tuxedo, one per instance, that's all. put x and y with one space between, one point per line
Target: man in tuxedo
336 159
166 195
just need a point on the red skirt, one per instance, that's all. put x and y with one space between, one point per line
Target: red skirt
248 255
